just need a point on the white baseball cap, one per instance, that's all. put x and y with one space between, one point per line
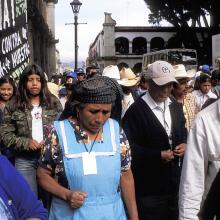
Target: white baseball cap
161 72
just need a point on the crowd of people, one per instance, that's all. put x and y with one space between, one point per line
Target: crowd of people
111 144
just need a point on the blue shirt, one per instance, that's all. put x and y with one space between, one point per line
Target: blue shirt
17 201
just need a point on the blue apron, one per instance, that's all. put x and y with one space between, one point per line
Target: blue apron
103 200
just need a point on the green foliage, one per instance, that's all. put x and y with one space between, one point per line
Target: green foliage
180 12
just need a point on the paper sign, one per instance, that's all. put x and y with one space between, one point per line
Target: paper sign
89 163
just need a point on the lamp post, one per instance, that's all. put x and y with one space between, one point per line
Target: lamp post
76 4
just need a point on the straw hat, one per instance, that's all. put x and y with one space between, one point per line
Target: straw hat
53 88
112 72
180 72
128 78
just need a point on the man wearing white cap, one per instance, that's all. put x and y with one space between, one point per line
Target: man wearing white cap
155 128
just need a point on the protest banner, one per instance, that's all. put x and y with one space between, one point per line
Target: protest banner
14 47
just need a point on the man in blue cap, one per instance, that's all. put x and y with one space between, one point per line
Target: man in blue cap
81 75
71 80
71 77
206 69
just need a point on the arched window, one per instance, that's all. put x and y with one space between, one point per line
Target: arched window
156 43
122 45
139 45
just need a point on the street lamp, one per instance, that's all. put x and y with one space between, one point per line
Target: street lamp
76 4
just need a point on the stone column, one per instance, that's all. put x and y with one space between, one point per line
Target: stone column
30 41
130 47
109 38
52 45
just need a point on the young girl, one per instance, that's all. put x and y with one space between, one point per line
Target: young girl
24 119
7 91
204 92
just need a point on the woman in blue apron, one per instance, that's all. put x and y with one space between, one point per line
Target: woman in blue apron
90 157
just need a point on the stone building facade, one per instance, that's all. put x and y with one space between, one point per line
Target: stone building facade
41 34
125 45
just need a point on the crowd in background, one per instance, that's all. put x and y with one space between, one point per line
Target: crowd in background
152 136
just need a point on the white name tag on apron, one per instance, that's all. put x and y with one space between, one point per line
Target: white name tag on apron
89 163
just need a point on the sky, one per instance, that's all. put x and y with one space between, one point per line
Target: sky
124 12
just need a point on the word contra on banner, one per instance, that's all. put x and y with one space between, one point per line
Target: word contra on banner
10 42
14 50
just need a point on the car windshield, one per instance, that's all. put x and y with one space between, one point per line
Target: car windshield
184 57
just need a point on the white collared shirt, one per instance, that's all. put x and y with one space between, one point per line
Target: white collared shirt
201 98
161 111
126 103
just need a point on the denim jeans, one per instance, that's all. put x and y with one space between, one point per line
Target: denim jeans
28 167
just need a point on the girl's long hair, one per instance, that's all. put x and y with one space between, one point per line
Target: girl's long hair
23 98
